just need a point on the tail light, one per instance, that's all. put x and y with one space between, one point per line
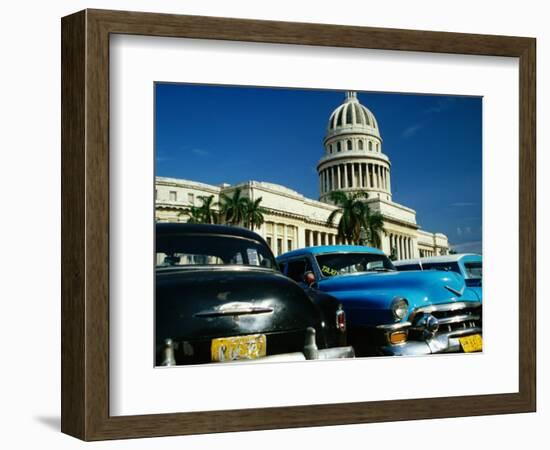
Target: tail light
340 319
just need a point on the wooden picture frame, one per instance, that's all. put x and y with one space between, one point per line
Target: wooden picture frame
85 224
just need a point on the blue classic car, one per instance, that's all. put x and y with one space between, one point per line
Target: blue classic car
390 312
469 265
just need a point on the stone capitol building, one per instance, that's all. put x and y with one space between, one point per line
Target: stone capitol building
352 161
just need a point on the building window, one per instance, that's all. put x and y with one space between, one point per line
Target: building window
279 247
156 193
339 147
173 196
268 240
360 145
349 145
289 245
377 147
330 147
191 198
370 146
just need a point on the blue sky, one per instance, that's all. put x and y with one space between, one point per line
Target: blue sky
217 134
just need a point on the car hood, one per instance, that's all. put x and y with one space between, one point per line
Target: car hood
219 302
369 295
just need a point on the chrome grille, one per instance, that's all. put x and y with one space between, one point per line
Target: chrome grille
453 317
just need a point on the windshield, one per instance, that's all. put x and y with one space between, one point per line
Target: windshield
474 269
346 263
206 249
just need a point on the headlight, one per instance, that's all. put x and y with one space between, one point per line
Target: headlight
399 308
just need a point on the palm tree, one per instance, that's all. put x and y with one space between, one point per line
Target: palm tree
233 208
375 226
352 211
254 213
355 214
194 213
207 211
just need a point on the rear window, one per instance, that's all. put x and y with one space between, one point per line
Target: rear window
445 267
473 269
207 249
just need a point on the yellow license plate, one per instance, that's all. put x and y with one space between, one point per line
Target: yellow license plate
472 343
239 347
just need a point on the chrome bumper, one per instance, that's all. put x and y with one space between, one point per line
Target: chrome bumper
440 343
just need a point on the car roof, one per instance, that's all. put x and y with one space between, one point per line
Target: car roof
202 228
439 259
321 249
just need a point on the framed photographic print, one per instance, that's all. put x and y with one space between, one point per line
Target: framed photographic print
270 224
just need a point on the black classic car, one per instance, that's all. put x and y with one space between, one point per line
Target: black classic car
220 298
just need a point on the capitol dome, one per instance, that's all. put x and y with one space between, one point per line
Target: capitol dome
352 116
353 160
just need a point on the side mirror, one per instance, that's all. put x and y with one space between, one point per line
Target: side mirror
309 278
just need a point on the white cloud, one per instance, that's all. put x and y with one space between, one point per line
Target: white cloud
200 152
412 130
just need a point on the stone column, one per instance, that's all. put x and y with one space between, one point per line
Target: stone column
345 175
369 178
300 237
361 175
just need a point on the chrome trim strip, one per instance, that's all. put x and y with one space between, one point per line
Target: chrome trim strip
465 331
457 319
235 312
393 326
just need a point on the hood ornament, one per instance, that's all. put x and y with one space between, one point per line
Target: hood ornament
455 291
